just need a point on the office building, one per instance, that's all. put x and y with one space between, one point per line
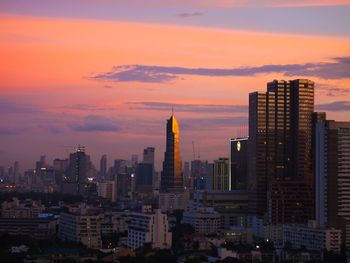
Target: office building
280 150
172 176
149 227
81 226
221 175
332 166
176 199
239 163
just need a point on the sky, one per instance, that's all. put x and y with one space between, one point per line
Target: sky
106 74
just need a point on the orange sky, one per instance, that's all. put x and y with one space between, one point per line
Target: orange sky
46 64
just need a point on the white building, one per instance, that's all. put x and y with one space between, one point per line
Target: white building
204 220
149 227
107 190
312 237
81 227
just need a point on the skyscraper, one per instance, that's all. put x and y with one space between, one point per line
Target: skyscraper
148 155
238 163
75 182
172 176
103 167
332 175
221 175
280 151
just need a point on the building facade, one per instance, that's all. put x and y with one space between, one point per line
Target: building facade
172 176
280 150
239 163
149 227
221 175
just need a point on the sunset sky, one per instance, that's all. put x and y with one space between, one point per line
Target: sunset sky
106 73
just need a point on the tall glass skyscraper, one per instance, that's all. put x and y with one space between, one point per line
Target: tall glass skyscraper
172 176
280 151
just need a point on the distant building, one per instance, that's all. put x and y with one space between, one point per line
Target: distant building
144 177
107 190
221 175
176 199
205 220
81 227
149 227
200 174
76 179
38 228
239 163
172 176
21 209
103 168
148 155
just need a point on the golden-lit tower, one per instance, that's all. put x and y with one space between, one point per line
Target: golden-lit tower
172 169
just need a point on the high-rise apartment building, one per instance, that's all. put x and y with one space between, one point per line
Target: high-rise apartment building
280 151
221 175
172 176
332 175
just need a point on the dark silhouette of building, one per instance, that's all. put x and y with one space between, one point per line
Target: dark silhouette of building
280 151
172 176
76 180
103 167
238 163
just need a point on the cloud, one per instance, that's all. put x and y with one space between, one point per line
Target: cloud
186 15
8 106
182 107
329 90
335 106
339 68
88 107
11 131
198 124
94 123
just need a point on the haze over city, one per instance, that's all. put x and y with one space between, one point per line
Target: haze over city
106 76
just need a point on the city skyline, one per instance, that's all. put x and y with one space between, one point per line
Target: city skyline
73 77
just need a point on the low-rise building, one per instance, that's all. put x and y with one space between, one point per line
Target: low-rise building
174 199
312 237
38 228
149 227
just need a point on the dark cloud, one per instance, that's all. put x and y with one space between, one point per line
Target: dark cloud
334 106
185 15
9 106
339 68
11 131
181 107
94 123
